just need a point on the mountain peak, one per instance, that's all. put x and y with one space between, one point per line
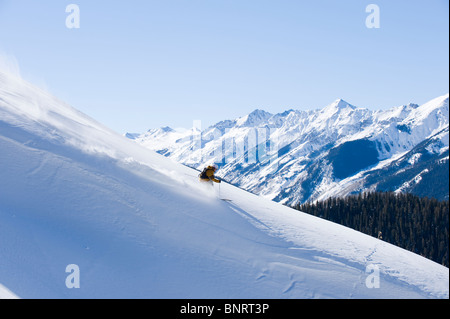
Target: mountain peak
341 104
337 106
412 105
254 118
259 113
163 129
167 129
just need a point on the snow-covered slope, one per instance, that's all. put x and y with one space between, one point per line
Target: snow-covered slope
6 293
139 225
296 156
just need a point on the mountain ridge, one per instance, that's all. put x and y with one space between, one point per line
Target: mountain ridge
302 140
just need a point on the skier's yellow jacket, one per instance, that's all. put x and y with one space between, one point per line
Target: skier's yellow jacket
208 175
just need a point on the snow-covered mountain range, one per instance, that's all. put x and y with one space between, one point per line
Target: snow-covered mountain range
87 213
298 156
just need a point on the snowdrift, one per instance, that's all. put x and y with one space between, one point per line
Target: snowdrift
138 225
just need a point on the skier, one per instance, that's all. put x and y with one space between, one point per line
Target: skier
207 175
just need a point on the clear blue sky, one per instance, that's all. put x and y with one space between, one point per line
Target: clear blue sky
135 65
